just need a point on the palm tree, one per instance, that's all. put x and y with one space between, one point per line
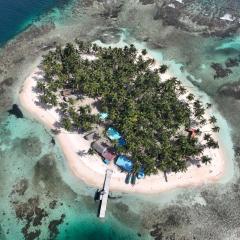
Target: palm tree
182 90
206 159
212 119
190 97
163 68
203 121
216 129
206 136
144 52
41 86
211 143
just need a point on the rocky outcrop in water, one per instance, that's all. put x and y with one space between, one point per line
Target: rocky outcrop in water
16 111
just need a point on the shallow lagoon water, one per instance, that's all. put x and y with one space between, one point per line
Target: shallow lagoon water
23 144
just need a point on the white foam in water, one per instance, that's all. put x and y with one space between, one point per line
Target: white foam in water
180 1
171 5
228 17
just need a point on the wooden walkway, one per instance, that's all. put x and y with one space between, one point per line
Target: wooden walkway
105 192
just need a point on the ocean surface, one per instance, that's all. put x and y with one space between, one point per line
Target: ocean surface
16 15
41 199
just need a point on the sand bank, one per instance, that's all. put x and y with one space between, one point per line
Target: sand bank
91 169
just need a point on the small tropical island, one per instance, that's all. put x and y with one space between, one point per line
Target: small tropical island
118 108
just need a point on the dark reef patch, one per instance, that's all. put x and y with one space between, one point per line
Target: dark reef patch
232 62
8 82
53 226
220 71
53 204
111 9
32 214
15 110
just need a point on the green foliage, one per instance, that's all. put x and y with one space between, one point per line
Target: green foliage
66 123
216 129
212 119
163 68
206 159
190 97
144 52
146 111
90 151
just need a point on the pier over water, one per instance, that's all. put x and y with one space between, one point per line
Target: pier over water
104 193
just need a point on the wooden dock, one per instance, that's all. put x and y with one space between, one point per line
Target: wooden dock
104 193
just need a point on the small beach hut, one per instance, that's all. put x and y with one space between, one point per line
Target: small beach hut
113 134
124 163
108 155
98 147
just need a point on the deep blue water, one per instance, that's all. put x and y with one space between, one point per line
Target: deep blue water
15 15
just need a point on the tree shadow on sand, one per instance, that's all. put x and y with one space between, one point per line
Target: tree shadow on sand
82 153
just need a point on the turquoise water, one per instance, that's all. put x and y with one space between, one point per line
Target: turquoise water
27 153
16 15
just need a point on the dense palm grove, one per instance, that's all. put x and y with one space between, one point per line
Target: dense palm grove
147 112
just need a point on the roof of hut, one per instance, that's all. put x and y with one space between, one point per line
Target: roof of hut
99 147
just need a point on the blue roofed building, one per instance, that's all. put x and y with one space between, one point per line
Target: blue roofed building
121 142
124 163
113 134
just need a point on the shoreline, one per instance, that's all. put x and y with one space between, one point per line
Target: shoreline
91 169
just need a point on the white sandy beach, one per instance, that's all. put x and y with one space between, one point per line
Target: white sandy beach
91 169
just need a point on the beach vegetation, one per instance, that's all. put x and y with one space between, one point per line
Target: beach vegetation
163 68
147 111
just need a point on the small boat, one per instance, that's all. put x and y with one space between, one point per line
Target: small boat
133 180
97 195
128 178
